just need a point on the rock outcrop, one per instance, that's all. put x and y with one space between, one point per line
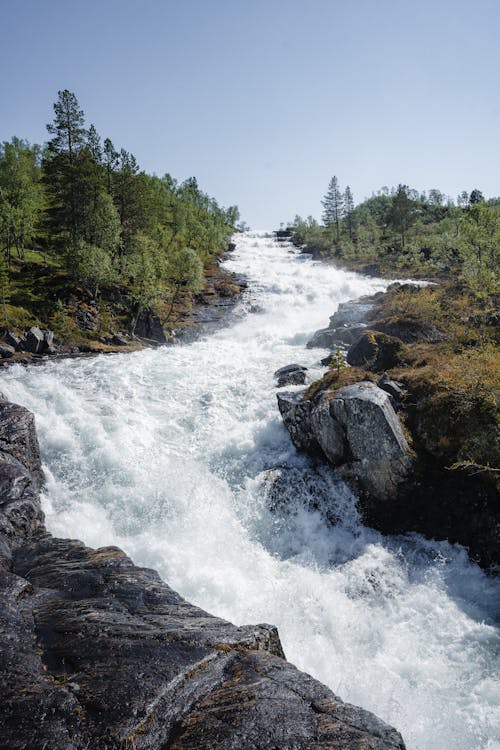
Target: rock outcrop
357 430
99 653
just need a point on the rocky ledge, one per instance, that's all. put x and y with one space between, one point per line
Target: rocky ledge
394 461
98 653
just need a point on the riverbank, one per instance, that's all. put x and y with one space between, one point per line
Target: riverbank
86 328
437 348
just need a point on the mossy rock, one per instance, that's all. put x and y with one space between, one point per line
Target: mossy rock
376 352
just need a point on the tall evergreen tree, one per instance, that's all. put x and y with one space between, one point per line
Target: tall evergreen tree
333 206
349 211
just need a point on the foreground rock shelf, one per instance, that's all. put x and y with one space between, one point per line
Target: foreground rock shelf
98 653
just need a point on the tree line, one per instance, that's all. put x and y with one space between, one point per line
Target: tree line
401 227
89 207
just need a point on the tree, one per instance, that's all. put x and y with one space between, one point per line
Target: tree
402 211
63 170
91 265
463 199
476 196
110 162
21 195
349 210
480 248
185 270
332 204
68 126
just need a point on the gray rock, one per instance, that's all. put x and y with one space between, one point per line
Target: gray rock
48 337
353 311
296 415
6 350
392 387
293 374
356 430
345 335
35 340
149 327
13 340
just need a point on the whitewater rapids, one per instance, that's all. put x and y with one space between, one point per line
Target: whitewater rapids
162 452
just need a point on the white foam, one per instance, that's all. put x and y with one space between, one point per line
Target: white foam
162 453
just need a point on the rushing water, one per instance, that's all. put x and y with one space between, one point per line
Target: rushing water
163 452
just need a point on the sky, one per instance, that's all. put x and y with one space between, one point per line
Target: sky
264 101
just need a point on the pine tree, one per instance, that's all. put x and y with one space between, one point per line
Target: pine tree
333 206
110 162
349 210
68 126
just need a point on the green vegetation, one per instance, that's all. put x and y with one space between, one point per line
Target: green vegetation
450 361
401 230
81 225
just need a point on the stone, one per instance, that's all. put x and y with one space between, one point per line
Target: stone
35 340
119 340
345 335
149 327
48 337
353 311
291 375
376 351
357 430
13 340
392 387
410 331
6 350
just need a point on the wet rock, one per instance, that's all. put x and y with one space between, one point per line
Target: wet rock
97 652
149 327
376 351
6 351
291 375
35 340
13 340
353 311
357 430
346 335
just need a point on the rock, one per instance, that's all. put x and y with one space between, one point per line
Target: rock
35 340
291 375
6 351
357 430
13 340
410 331
48 337
376 351
346 335
392 387
353 311
119 340
97 652
296 415
149 327
21 475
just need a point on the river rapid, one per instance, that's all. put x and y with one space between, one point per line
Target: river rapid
163 452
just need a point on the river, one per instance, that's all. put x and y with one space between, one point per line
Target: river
162 452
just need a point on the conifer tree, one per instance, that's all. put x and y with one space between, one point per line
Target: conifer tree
349 210
333 206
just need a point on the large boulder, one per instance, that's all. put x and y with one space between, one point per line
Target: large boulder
376 351
357 430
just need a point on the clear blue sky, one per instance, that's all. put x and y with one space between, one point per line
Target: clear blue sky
264 100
